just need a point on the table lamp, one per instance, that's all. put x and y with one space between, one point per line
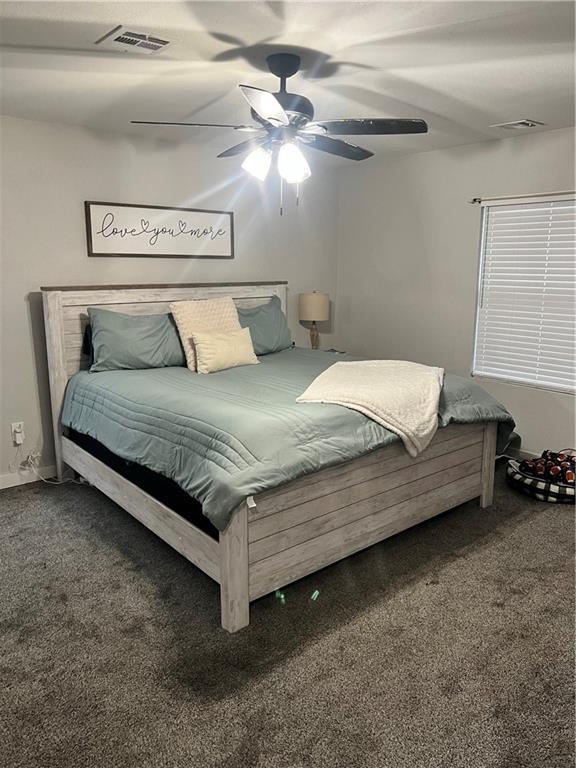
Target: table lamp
315 308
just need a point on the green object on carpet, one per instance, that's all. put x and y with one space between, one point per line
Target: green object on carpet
449 645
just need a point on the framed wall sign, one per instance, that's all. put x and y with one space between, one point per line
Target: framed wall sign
122 229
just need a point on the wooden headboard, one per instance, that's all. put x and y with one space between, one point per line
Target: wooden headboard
65 318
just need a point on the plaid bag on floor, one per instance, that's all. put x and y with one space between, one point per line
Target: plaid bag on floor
548 478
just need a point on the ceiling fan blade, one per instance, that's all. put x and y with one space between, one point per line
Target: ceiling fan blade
369 126
247 128
335 146
265 104
244 146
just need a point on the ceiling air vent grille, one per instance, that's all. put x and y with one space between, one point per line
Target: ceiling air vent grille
121 39
515 125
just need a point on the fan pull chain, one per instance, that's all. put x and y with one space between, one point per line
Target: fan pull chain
297 195
281 194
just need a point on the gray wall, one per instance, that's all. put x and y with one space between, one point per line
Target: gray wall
408 259
47 173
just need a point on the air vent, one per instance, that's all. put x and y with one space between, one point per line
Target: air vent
516 125
121 39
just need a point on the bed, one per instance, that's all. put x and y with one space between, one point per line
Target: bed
319 498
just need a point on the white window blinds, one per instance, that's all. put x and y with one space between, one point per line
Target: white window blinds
525 323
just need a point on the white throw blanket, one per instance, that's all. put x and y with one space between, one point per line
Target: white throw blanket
400 395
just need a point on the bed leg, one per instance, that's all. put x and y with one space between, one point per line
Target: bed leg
234 596
59 466
63 471
488 464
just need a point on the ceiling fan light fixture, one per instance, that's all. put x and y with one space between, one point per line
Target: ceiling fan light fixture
258 163
284 122
292 164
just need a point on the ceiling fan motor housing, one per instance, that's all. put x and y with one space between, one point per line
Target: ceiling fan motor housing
298 108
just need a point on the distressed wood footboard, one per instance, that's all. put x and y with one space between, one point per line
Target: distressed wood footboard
310 523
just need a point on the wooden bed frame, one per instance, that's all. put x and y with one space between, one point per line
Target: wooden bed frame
281 535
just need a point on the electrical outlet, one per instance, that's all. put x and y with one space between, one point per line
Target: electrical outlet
17 432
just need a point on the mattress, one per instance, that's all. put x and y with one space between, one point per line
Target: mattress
228 435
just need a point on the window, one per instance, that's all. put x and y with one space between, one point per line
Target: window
525 321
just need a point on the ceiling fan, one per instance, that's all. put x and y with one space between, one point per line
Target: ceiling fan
286 123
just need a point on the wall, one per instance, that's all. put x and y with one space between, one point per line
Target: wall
47 173
408 259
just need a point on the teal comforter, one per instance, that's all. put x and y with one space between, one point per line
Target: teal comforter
227 435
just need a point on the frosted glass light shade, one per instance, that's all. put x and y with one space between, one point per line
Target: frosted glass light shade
258 163
314 307
292 165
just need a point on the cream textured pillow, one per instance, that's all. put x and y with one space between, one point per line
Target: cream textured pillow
203 315
216 350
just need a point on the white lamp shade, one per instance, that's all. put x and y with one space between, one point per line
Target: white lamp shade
258 163
314 307
292 165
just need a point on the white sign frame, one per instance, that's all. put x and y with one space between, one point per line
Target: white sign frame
158 231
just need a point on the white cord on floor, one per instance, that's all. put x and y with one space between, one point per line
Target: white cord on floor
14 465
32 463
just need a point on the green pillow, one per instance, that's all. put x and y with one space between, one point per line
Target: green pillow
268 327
133 341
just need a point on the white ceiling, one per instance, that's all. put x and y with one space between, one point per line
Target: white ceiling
461 66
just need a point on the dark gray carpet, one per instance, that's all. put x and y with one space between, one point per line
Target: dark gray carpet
448 645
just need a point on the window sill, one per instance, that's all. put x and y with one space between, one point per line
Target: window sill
519 383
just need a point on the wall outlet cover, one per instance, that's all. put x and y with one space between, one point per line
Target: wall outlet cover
17 432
